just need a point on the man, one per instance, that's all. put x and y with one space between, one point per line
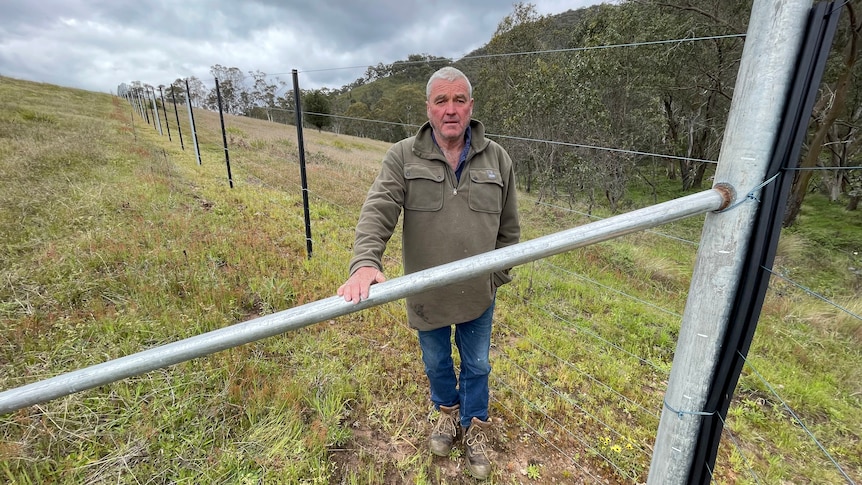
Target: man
457 191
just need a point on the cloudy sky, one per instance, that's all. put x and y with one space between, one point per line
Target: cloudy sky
96 45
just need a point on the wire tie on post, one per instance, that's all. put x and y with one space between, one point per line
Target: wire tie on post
681 414
751 195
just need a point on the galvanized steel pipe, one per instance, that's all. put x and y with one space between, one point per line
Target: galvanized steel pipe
394 289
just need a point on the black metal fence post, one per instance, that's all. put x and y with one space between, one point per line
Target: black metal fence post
192 122
144 110
157 123
177 115
301 143
165 112
223 134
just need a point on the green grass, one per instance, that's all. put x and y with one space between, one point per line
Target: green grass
113 240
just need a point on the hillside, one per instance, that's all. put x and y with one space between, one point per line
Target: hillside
113 240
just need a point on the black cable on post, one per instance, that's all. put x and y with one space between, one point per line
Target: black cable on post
177 115
165 112
151 99
223 134
192 122
144 108
751 290
304 179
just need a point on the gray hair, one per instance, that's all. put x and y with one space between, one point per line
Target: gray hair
450 74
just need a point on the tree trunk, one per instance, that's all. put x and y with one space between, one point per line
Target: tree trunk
699 171
672 134
833 180
839 100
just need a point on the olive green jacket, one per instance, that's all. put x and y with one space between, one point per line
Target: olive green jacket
444 220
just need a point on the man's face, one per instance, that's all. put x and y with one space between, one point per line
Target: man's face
449 108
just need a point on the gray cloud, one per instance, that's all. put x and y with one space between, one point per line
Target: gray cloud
97 45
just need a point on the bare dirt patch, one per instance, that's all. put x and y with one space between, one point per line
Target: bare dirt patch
525 459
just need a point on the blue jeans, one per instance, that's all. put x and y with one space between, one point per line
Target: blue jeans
473 340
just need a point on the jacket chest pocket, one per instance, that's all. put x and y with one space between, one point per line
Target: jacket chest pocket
424 187
486 190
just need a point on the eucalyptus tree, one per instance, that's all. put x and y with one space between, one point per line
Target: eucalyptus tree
408 107
617 109
836 122
353 125
417 68
384 111
197 90
263 90
510 99
577 99
693 75
318 108
136 89
231 86
176 91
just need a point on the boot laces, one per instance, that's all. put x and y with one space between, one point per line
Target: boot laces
445 425
477 439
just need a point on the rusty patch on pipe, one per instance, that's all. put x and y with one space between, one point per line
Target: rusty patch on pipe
728 194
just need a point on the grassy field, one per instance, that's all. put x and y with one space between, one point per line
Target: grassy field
114 240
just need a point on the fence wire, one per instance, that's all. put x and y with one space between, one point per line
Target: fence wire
506 381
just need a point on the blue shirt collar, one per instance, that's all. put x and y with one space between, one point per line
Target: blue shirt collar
468 138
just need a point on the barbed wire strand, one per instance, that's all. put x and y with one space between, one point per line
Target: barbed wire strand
600 148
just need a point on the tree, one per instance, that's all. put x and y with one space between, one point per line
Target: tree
263 91
317 106
198 91
406 108
384 110
568 101
510 95
695 80
176 90
232 86
355 112
417 68
829 109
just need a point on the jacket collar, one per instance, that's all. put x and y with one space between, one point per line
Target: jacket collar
423 145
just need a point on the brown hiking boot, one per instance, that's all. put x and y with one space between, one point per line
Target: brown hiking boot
445 430
475 441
